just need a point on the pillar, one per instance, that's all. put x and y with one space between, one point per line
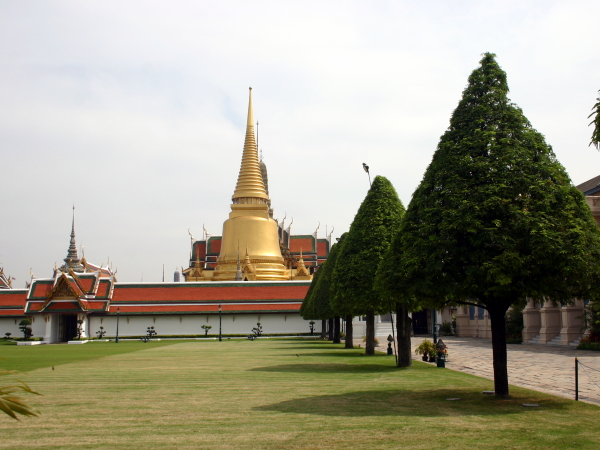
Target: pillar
531 321
83 325
572 322
550 321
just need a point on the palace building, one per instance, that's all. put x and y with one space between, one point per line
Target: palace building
256 271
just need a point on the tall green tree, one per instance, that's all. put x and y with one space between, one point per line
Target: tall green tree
496 219
375 224
323 290
387 284
317 307
596 122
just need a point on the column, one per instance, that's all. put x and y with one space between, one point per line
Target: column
531 321
572 322
48 334
551 322
83 325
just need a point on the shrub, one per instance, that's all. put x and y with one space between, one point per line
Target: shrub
586 344
514 326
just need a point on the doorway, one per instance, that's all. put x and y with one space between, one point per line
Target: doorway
67 327
419 321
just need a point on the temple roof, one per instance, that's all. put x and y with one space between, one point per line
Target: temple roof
79 293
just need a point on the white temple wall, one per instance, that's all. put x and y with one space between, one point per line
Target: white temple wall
192 324
11 325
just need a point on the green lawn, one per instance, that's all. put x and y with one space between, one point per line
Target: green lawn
272 394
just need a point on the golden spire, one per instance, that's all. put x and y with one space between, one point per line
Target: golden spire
250 182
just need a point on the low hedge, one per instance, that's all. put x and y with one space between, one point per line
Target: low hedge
586 345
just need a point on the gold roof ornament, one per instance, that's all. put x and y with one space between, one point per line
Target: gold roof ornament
250 182
302 272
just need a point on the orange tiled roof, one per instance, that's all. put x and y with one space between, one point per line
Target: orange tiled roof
206 308
12 297
209 292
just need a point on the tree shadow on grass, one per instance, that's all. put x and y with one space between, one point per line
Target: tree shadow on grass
315 346
430 403
326 368
345 354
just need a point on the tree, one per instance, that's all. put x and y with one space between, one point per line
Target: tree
375 224
386 283
25 327
496 219
596 121
206 328
323 293
307 309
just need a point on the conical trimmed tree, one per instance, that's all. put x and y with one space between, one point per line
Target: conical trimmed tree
322 292
496 219
375 224
315 305
386 282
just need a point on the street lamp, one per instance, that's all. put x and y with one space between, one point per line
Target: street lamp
220 335
117 338
367 170
434 324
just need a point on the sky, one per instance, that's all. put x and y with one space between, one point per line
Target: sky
134 111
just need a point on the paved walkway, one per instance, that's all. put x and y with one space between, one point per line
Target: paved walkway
539 367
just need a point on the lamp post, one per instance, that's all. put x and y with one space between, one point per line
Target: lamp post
367 170
220 335
117 338
434 325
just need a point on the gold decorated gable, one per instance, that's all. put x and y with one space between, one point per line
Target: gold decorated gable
62 289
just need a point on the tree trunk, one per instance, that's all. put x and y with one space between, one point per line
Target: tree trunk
323 329
336 330
330 329
349 336
403 323
498 319
370 344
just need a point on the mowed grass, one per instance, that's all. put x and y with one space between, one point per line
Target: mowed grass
272 394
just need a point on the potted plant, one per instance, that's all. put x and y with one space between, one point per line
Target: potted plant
426 349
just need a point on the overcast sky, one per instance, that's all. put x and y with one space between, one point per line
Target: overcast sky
135 111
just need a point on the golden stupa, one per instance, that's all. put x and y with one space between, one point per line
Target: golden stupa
249 225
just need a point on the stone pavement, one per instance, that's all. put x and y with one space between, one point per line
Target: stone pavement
542 368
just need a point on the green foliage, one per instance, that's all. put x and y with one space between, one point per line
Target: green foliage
324 289
316 304
514 326
426 348
371 233
25 327
307 309
595 141
496 217
10 403
591 318
206 328
447 329
586 344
